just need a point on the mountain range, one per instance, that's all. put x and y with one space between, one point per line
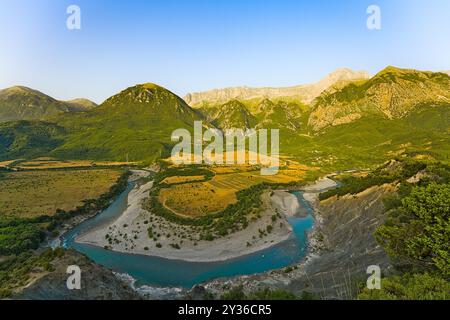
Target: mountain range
348 118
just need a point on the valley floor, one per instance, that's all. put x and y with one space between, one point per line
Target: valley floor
129 233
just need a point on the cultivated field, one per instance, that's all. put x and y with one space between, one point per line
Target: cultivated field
51 163
193 199
42 192
182 179
4 164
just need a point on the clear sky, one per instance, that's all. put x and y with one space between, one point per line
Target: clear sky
195 45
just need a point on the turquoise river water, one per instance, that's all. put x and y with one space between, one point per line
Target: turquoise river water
155 271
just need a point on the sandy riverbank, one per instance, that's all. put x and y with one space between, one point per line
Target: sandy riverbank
312 191
129 233
286 203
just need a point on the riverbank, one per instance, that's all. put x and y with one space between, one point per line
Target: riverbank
341 247
138 231
286 203
65 226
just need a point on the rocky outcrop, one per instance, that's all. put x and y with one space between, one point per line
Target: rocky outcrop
97 283
306 93
348 245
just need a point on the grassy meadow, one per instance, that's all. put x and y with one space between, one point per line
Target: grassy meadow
34 193
36 200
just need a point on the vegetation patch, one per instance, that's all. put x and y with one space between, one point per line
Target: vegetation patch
416 235
396 170
17 271
237 293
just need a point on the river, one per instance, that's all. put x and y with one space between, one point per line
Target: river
155 271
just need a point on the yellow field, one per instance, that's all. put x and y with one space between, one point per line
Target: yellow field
4 164
50 163
197 199
182 179
40 192
232 169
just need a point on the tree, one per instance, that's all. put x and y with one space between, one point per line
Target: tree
409 287
419 230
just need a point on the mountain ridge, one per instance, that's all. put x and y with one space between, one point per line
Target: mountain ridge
392 93
396 111
24 103
306 93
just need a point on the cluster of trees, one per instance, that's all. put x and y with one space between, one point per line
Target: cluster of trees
416 235
410 286
193 170
237 293
418 231
18 235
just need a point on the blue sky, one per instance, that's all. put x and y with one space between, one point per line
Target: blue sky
203 44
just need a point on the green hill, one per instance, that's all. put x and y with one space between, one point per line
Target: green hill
136 123
28 139
278 113
373 139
